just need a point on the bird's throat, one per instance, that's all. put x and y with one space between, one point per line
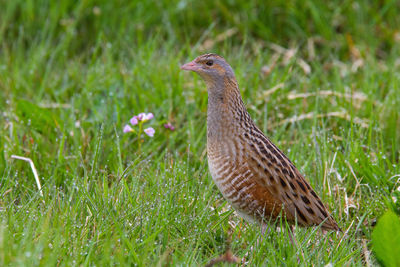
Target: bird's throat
223 96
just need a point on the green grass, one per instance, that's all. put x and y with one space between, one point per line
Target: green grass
73 73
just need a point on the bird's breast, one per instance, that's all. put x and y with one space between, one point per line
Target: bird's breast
237 181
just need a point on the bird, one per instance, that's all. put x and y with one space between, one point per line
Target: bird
258 180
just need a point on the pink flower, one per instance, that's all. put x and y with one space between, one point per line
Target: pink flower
134 120
169 126
145 117
148 116
127 129
149 131
140 116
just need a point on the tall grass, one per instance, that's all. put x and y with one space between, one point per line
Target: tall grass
320 79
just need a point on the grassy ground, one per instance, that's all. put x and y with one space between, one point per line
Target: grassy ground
321 80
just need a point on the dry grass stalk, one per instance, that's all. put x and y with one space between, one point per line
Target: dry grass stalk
356 96
35 174
209 43
312 115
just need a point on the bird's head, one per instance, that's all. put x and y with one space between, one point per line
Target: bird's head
211 67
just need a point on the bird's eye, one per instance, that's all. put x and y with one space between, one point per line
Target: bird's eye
209 63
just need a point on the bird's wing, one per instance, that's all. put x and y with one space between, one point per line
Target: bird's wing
275 171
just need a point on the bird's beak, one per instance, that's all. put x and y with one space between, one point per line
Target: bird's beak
190 66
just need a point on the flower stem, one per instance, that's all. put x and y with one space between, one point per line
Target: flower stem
139 136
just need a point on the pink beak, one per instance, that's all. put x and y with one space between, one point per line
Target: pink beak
190 66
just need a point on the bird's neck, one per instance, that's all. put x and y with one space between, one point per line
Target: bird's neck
224 106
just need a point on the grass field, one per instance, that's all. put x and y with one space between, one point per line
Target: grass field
322 80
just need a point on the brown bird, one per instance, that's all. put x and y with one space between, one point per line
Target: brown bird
256 178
